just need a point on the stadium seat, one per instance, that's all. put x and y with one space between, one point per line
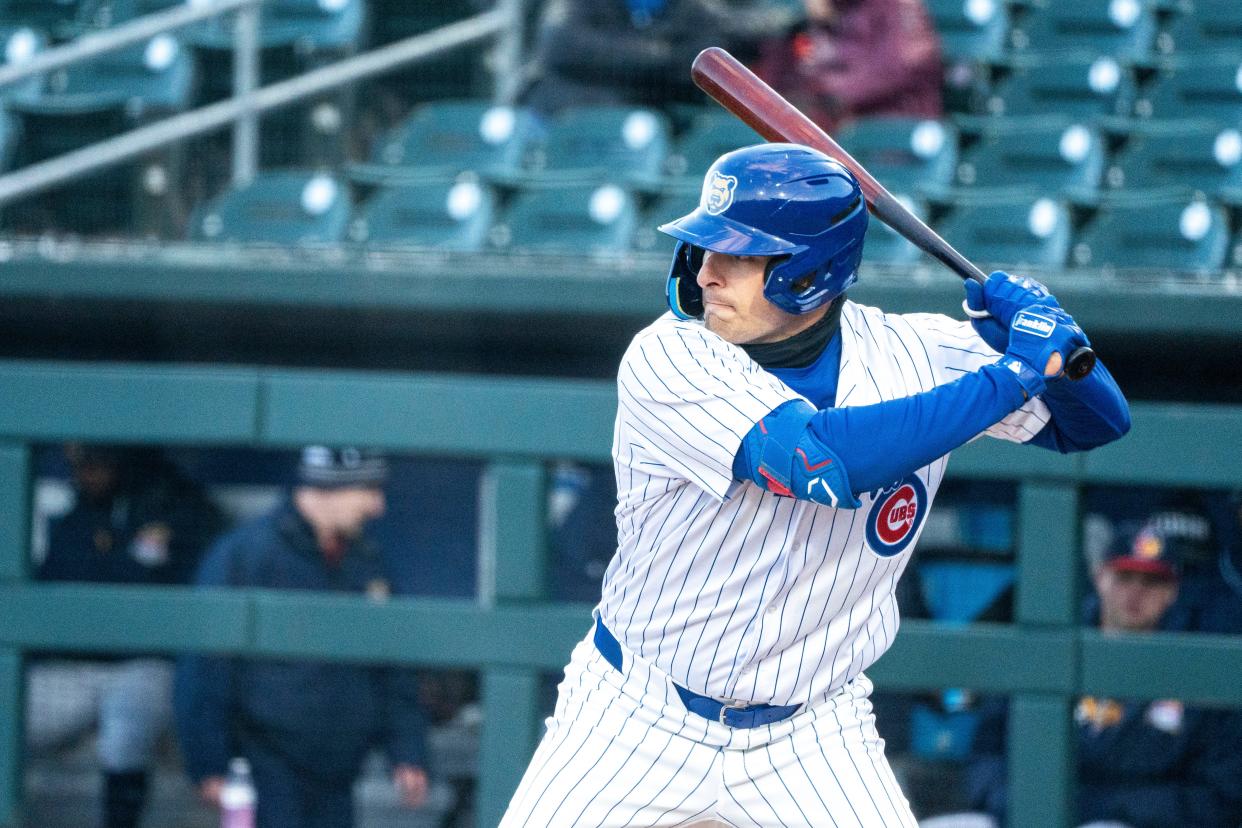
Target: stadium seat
907 155
444 138
575 219
1015 234
1202 27
307 25
57 17
1123 29
1078 87
101 14
1182 234
971 30
623 145
279 207
1200 156
453 215
672 204
1038 156
20 44
710 134
1202 87
886 246
90 102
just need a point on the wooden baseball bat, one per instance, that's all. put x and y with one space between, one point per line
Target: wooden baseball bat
740 91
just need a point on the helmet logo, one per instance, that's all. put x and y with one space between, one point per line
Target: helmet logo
718 193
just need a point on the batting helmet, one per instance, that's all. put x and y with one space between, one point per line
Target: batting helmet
786 201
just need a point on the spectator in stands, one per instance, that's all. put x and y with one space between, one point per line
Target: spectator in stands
620 52
306 727
135 520
1141 763
854 59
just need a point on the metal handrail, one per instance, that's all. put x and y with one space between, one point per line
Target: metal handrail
127 34
45 174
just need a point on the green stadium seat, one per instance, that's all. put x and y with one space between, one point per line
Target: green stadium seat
444 138
1199 156
971 30
909 155
1080 87
1038 156
624 145
1123 29
886 246
1204 26
1012 234
576 219
455 215
1205 87
286 207
709 135
1182 234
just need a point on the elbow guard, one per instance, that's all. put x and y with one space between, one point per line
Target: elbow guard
782 456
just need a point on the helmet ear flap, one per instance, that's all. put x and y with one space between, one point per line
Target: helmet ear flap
685 297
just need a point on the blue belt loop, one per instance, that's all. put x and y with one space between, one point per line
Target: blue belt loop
733 714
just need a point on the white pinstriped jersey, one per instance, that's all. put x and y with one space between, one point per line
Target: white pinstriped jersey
738 593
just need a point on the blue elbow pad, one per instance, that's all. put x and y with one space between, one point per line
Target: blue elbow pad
783 456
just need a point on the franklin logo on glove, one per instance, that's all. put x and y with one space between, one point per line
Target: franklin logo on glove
1034 324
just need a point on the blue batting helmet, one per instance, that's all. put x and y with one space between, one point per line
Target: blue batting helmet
786 201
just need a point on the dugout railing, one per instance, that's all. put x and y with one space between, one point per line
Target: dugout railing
511 633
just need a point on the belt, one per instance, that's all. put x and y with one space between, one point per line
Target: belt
734 714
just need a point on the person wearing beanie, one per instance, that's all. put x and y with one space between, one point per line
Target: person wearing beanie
304 726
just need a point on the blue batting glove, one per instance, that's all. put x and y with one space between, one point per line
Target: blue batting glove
1037 333
991 306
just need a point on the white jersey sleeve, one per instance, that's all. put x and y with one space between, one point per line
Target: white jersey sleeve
957 350
686 399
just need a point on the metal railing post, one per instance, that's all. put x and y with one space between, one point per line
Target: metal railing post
509 48
245 81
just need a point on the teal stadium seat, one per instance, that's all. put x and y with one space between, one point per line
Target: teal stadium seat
93 101
454 215
1123 29
575 219
20 44
974 35
672 204
56 17
908 155
1204 26
1207 87
1177 234
1013 234
306 25
624 145
444 138
1204 157
1037 156
102 14
1080 87
709 135
885 246
285 207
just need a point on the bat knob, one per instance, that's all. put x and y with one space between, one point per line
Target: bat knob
1080 363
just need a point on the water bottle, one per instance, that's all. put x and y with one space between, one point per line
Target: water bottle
237 797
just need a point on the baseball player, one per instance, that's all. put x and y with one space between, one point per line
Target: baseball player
777 448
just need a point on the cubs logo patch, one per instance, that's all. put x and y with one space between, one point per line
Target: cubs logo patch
718 193
896 515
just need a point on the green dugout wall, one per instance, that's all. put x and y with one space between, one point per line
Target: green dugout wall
511 634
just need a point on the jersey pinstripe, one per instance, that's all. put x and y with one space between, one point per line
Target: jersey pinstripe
735 592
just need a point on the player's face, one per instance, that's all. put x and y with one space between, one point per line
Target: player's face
351 508
734 306
1133 601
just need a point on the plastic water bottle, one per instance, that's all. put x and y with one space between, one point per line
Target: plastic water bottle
237 797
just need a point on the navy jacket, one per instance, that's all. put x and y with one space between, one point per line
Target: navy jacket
320 717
